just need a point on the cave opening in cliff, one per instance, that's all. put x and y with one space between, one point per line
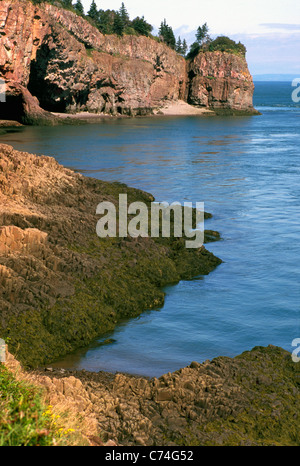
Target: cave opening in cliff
48 94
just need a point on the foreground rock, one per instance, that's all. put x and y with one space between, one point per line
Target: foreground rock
60 284
250 400
65 65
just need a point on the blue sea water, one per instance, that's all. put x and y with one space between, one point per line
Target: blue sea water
246 170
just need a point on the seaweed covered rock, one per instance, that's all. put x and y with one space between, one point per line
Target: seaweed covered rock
252 399
61 284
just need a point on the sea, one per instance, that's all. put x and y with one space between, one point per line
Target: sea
246 171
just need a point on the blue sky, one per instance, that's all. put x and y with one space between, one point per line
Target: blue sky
270 29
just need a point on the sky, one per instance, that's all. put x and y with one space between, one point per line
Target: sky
270 29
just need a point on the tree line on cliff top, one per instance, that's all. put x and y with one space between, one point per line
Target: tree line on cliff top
118 22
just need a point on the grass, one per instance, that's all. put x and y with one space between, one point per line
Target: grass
23 421
26 420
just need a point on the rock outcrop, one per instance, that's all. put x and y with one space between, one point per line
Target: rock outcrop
220 80
250 400
62 285
56 61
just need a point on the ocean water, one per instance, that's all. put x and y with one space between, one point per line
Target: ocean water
246 170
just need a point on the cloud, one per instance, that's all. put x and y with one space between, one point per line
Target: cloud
288 27
272 52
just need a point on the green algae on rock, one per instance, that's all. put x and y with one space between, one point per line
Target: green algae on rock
62 285
250 400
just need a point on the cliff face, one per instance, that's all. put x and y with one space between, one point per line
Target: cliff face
57 57
70 66
220 80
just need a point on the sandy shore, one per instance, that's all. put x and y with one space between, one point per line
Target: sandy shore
172 108
182 108
81 115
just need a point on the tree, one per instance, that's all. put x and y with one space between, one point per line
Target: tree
79 8
178 45
225 44
106 21
124 15
194 50
118 25
67 4
93 11
141 26
184 47
167 34
181 46
202 34
202 38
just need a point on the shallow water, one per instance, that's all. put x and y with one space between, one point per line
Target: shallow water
246 171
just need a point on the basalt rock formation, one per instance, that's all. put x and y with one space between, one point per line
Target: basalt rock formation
55 61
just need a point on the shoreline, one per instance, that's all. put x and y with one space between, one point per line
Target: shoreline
63 286
224 402
251 399
178 108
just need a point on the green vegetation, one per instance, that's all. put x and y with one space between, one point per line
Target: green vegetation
181 46
118 291
205 43
263 410
26 419
224 44
118 22
119 278
23 421
201 42
167 35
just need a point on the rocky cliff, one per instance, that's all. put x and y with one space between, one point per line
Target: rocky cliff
220 80
55 61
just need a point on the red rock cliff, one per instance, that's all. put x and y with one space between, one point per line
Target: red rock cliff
54 60
220 80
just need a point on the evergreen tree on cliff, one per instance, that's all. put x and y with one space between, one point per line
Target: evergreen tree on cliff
93 12
118 25
181 47
202 39
167 34
178 45
67 4
202 35
79 8
106 21
184 47
124 15
141 26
